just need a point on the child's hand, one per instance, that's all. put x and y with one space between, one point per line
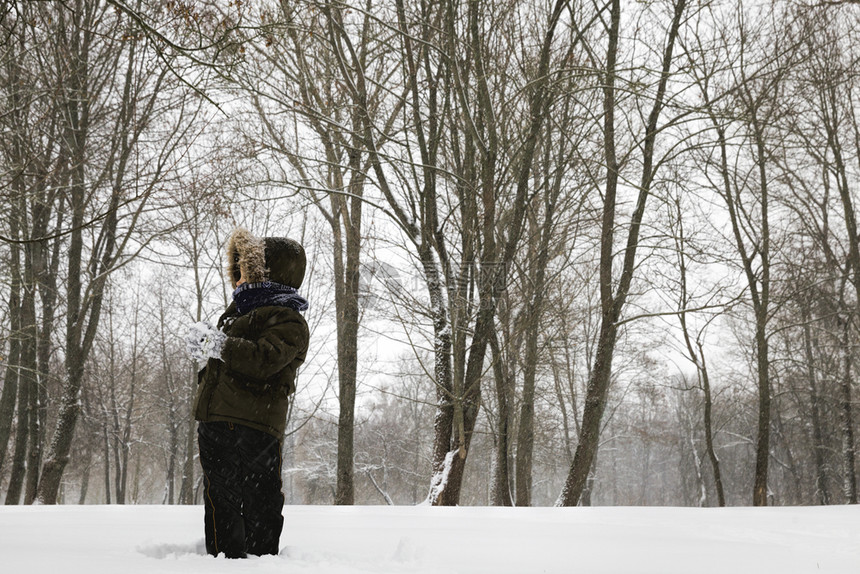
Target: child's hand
204 342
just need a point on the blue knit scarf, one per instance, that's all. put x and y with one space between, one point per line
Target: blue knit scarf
249 296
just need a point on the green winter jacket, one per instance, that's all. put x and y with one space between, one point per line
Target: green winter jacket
252 382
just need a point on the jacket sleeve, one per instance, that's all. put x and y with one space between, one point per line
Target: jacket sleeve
267 355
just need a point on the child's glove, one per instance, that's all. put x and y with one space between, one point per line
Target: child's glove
204 341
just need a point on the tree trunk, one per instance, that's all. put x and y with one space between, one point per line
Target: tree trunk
61 444
697 356
585 500
41 266
85 479
595 403
34 447
106 463
10 388
760 490
500 492
534 313
762 309
469 404
16 221
16 479
25 336
709 431
562 404
47 273
347 339
818 445
845 419
687 420
12 367
186 489
443 422
124 439
135 493
171 459
525 430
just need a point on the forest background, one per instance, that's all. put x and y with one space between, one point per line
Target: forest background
560 252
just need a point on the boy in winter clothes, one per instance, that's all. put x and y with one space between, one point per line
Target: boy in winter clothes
243 393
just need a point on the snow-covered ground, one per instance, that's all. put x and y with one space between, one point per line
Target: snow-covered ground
421 540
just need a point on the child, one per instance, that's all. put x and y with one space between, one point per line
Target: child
243 393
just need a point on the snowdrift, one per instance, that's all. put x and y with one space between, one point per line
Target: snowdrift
423 540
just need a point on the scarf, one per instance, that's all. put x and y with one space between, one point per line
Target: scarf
249 296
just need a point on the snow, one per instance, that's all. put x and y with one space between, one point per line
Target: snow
423 540
204 341
440 479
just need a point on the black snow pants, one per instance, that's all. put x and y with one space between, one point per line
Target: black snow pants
243 499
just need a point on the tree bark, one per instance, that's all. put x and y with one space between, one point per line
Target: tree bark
22 299
588 491
27 382
818 445
107 453
12 367
16 219
845 414
124 437
347 329
30 377
709 431
595 403
16 478
500 492
186 488
762 310
46 274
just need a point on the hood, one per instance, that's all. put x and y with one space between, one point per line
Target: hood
259 259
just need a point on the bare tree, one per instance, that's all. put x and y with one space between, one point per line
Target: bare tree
98 139
613 299
695 347
292 75
834 86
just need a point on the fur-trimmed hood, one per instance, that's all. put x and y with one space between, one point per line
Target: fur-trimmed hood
259 259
